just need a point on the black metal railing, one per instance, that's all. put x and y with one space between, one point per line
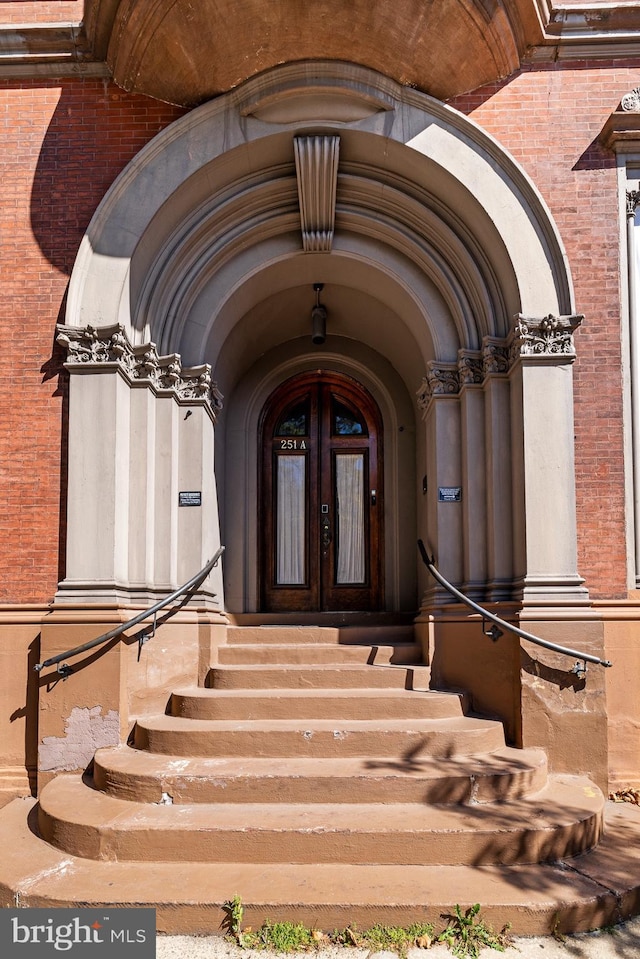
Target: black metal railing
183 591
499 625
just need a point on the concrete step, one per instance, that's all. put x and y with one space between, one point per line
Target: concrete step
403 739
564 819
309 634
197 703
350 676
596 889
321 653
145 777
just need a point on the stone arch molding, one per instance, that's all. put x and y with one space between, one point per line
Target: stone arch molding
330 168
414 175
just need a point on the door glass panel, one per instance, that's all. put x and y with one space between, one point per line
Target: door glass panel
350 565
295 421
346 421
290 534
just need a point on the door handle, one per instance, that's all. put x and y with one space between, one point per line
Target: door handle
325 530
373 497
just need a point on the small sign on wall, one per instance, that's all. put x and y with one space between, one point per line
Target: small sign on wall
449 494
190 498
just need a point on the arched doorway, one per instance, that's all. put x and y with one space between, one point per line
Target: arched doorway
321 500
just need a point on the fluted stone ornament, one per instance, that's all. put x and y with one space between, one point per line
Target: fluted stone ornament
317 173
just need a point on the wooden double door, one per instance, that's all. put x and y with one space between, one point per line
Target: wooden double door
321 501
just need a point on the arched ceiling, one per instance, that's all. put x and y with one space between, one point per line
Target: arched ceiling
187 52
433 221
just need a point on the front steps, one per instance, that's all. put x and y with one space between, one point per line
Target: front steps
318 779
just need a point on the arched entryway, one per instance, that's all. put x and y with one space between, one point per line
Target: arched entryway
321 502
440 262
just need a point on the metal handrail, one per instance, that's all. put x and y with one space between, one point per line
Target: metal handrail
191 584
499 624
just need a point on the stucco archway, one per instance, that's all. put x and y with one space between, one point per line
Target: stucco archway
438 240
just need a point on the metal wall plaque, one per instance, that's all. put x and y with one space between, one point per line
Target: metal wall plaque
190 498
449 494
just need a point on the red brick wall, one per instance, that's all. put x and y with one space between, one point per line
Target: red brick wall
549 119
63 143
33 11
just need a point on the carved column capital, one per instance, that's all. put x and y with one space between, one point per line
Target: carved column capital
109 348
633 199
495 355
442 379
90 346
470 368
548 336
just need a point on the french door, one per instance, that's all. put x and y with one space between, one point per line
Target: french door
321 498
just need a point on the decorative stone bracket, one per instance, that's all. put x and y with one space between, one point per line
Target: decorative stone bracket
317 172
108 346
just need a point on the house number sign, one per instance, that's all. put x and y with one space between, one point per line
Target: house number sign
290 444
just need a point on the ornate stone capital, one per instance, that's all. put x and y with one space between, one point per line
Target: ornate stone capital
630 102
91 346
470 369
549 336
442 379
495 355
317 172
109 347
633 199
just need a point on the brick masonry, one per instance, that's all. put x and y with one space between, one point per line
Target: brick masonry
63 145
31 12
549 118
66 141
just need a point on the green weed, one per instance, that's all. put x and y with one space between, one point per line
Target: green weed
284 936
398 939
467 933
233 915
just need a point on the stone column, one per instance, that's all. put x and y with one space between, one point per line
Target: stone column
474 485
97 559
140 434
497 406
633 258
439 400
542 430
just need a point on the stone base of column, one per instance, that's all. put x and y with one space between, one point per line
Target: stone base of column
538 590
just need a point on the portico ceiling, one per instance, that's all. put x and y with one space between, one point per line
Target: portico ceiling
187 51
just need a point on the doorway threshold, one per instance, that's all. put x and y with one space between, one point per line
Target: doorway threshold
331 618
